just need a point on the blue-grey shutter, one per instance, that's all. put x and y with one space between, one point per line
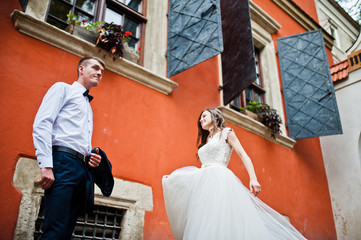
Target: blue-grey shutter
310 100
194 33
238 58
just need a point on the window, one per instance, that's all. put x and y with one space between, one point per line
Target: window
254 92
83 9
333 31
103 223
128 13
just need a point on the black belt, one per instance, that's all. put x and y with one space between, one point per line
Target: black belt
72 152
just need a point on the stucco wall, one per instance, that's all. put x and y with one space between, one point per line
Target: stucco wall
147 134
345 33
342 160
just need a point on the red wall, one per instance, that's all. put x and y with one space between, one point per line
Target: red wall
147 134
309 7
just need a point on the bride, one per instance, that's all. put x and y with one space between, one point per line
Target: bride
211 203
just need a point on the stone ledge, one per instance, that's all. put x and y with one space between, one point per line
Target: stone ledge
129 194
255 127
58 38
261 17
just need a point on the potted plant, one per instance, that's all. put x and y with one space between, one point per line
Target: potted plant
131 53
251 110
108 36
271 119
113 39
84 29
266 115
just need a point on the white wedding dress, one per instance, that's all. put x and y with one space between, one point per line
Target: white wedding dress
210 202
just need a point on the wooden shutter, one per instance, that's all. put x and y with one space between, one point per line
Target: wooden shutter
194 33
238 59
310 101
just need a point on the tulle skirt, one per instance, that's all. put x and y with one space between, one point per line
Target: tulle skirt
211 203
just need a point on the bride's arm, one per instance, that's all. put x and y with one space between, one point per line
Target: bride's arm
236 145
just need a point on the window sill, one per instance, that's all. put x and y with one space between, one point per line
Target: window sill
56 37
255 127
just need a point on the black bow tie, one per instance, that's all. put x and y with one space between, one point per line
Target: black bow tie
86 94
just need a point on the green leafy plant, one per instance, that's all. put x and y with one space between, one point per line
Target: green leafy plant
91 26
269 117
253 106
112 38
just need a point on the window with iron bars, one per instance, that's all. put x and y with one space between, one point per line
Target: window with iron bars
128 13
103 223
254 92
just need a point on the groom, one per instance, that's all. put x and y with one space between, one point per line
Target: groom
62 134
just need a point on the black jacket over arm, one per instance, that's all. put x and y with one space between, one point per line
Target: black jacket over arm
102 176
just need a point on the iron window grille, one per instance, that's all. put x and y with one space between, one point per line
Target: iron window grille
104 223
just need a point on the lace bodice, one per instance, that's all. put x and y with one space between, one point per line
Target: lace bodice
217 150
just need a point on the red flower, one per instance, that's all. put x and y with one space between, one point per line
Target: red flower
127 34
84 20
139 48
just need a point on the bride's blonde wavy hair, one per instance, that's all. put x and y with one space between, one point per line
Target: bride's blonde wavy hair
218 123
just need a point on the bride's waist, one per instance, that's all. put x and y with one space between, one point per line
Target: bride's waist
213 164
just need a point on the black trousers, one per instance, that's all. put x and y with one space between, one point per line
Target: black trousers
65 197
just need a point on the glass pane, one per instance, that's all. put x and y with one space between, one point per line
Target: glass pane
59 10
257 97
113 17
131 26
133 42
236 102
134 4
56 23
86 5
258 79
258 72
81 16
249 94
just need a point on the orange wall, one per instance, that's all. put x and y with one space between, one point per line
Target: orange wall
147 134
308 6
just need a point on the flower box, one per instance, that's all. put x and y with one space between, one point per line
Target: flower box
252 115
129 54
82 33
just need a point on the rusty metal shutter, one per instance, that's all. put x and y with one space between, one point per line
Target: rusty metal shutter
238 59
194 33
310 101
